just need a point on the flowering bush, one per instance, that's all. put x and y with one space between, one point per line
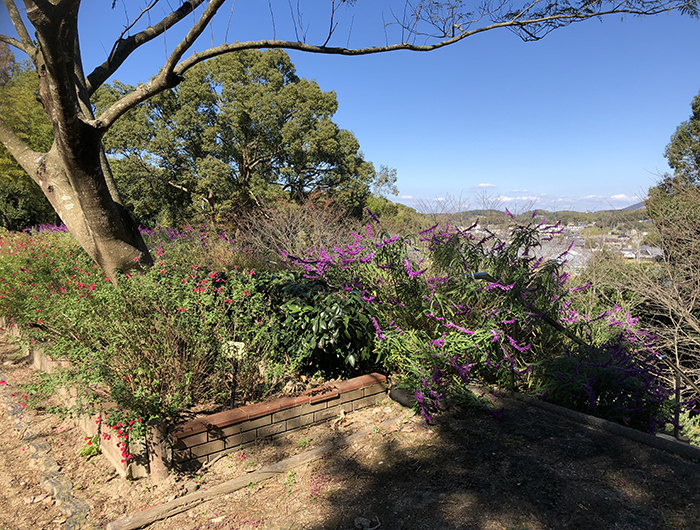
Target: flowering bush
154 344
455 305
440 310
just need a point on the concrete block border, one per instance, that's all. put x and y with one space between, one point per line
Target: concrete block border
203 439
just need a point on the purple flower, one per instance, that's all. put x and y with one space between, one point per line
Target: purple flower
385 242
496 285
420 398
458 328
514 343
580 288
380 334
410 272
463 370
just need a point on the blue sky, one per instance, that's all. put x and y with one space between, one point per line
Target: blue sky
578 120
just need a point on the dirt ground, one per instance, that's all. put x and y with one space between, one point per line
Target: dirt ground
532 470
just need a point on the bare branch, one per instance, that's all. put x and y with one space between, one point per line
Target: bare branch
12 42
191 37
167 78
461 35
294 20
26 157
141 14
272 16
125 47
452 27
27 45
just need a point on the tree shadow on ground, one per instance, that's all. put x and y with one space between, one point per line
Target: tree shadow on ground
532 470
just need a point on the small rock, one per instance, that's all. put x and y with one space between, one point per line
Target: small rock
191 487
218 519
40 497
362 523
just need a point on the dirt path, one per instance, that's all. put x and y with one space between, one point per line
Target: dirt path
533 470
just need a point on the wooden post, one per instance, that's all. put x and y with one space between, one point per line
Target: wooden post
678 406
158 450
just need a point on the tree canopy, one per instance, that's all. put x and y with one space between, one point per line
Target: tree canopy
673 203
236 130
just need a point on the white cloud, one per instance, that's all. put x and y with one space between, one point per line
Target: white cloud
438 199
484 185
406 196
621 197
592 197
528 198
520 191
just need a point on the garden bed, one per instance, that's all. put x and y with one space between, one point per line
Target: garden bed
189 445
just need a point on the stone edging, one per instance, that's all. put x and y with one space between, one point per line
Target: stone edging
201 440
659 442
51 479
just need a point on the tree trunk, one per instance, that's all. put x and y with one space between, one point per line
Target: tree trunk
101 226
72 173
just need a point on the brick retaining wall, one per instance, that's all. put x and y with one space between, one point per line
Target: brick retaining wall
201 440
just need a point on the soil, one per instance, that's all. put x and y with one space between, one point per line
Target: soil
531 470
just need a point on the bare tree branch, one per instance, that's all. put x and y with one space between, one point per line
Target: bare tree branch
12 42
451 25
26 157
125 47
27 45
191 36
141 14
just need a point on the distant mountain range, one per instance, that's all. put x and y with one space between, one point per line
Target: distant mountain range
603 218
635 206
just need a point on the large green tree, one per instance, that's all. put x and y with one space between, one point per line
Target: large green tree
683 152
234 127
673 203
74 173
22 203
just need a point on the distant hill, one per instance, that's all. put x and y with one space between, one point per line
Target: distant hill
602 218
635 206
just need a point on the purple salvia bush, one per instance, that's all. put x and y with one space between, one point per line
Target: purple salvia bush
499 329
